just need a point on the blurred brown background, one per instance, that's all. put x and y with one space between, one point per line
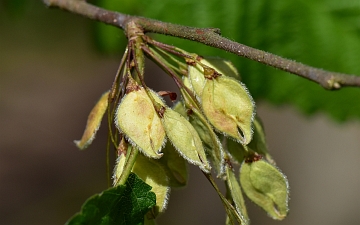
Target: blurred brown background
50 77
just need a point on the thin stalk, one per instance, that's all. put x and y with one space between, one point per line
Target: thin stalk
169 48
121 93
130 161
174 68
156 105
181 64
230 218
218 151
226 203
115 88
169 71
136 66
110 119
108 160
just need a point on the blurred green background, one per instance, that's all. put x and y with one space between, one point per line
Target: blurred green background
52 72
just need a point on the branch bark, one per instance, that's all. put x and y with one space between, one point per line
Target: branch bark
210 37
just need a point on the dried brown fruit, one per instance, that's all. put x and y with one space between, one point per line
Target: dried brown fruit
93 122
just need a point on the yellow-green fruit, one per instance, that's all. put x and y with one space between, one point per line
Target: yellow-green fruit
187 83
196 78
180 108
266 186
138 120
210 141
152 173
93 122
119 168
229 107
222 66
185 139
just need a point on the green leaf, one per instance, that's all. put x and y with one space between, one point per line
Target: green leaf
323 34
121 205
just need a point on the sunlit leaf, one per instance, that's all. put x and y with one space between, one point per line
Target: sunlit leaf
121 205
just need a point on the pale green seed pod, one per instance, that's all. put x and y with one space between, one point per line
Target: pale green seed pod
185 139
222 66
180 108
119 168
93 122
196 78
137 119
236 194
210 141
266 186
175 166
196 72
229 107
152 173
187 83
122 159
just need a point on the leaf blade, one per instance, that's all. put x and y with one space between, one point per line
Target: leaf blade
123 205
